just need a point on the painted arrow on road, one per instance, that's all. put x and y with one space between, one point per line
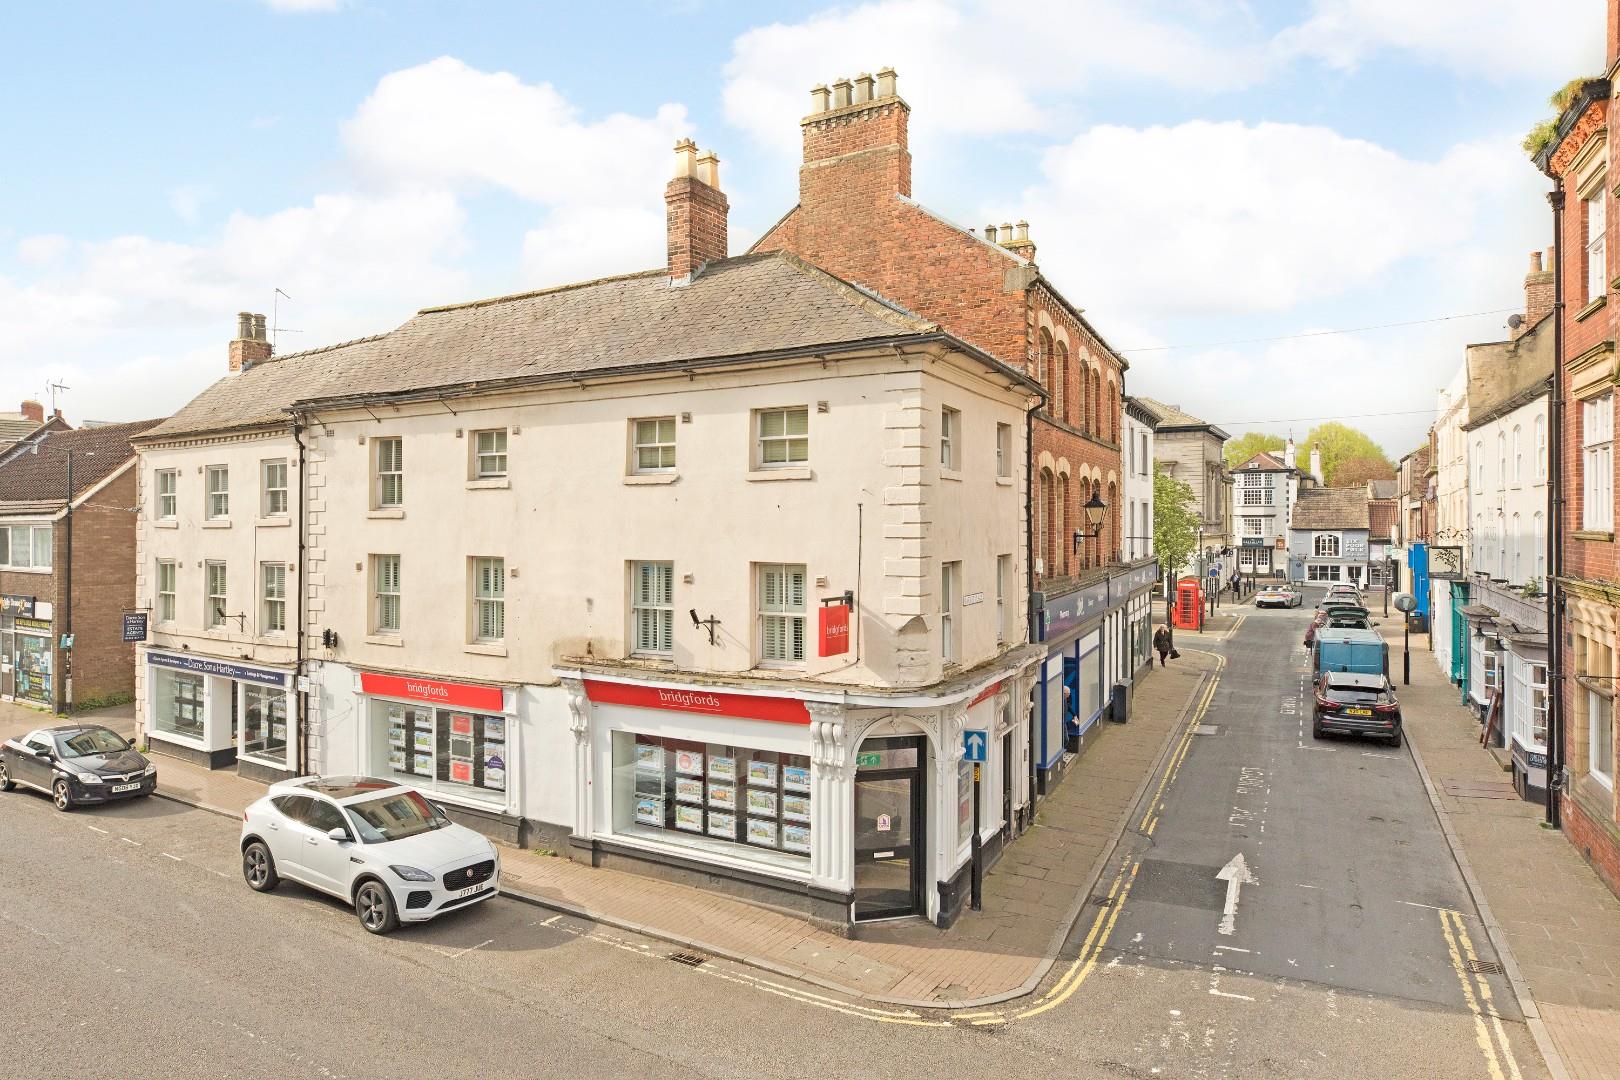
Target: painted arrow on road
1236 875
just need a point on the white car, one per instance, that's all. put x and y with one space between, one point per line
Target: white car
376 844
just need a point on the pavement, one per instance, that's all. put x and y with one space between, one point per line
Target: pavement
1031 900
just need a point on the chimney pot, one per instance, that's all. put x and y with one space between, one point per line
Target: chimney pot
1535 262
990 233
685 158
840 93
258 328
695 213
863 88
885 82
250 346
1006 233
1023 232
708 169
818 99
244 326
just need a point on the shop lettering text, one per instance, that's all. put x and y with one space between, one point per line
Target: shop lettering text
710 703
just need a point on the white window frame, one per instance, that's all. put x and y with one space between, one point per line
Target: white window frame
950 587
271 506
35 548
650 439
1004 565
488 600
1597 463
272 598
388 472
1515 540
1004 450
1323 541
1501 460
1254 526
1597 271
1518 456
166 605
1541 449
1600 738
1322 572
218 491
788 620
652 609
216 605
786 438
168 501
1540 540
489 462
950 434
386 602
1479 465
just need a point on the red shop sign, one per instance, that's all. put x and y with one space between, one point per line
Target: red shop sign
702 702
834 625
461 695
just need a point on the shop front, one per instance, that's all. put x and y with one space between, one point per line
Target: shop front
219 713
1069 697
1520 632
458 742
26 654
1483 673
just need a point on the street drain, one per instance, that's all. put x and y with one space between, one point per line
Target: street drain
689 959
1103 901
1485 967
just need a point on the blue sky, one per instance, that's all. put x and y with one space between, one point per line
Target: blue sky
1194 172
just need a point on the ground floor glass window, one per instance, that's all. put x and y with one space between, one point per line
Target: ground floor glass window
264 722
707 793
453 751
1322 572
178 703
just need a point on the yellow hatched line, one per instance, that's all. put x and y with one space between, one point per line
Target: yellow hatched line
1482 1034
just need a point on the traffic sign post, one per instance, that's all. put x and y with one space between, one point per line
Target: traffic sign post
974 744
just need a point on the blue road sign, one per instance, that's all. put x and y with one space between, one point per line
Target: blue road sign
973 745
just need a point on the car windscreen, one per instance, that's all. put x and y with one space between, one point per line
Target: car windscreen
393 817
91 741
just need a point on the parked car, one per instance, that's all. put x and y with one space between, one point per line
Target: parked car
76 764
1341 615
1356 703
375 844
1341 594
1278 596
1349 650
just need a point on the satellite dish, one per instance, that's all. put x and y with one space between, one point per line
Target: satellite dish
1515 321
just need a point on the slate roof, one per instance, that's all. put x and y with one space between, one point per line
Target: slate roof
739 307
1331 508
1263 461
14 426
1384 489
98 452
1173 416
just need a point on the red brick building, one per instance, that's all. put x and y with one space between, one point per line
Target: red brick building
67 565
1586 572
856 218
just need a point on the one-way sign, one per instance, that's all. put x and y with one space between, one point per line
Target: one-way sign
973 745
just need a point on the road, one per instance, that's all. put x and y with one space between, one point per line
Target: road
131 947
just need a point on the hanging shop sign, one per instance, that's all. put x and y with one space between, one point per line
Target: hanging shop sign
202 665
490 699
134 626
833 626
699 701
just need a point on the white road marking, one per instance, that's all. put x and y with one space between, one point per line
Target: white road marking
176 858
1236 875
1300 885
103 832
1232 948
127 840
551 920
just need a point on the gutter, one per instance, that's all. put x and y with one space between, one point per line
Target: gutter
1555 526
302 719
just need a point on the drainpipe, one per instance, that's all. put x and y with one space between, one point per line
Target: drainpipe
67 588
302 719
1555 524
1029 594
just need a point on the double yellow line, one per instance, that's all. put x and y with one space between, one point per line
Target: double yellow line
1477 992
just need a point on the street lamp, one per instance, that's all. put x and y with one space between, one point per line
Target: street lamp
1094 509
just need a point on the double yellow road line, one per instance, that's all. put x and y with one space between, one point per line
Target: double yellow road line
1476 990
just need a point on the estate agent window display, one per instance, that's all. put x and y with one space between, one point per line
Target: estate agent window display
448 751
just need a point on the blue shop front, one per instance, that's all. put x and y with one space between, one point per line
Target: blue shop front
1098 638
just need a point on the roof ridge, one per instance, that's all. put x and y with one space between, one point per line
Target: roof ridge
490 301
324 348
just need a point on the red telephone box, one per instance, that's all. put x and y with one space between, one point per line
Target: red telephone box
1188 614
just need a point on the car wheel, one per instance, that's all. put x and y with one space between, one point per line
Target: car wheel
1395 740
62 795
1316 729
374 904
259 868
6 782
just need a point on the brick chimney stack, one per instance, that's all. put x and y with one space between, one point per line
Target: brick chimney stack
1019 243
251 345
695 214
1538 292
33 410
855 142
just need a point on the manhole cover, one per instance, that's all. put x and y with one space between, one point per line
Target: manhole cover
1485 967
689 959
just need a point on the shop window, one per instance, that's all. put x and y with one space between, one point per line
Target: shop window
732 798
178 704
274 617
273 476
950 423
26 547
167 482
1004 450
1322 572
489 454
31 674
489 600
781 613
219 491
214 598
264 723
388 462
964 803
385 596
652 608
166 569
652 445
446 750
783 437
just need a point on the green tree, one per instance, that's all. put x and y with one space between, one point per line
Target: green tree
1244 447
1175 522
1340 444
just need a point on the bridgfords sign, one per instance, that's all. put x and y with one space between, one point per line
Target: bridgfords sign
704 702
434 692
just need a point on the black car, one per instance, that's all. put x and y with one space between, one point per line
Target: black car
1353 703
76 764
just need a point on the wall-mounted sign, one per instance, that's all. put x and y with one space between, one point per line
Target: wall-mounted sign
202 665
134 626
1254 541
698 700
461 695
17 605
833 629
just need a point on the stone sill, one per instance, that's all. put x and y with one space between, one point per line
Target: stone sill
1585 534
392 640
951 474
489 483
166 523
1589 309
482 649
766 475
272 523
390 514
1004 481
648 479
217 523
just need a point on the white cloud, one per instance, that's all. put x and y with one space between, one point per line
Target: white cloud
995 68
1214 218
45 248
1555 40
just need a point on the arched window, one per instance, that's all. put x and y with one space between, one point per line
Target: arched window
1501 460
1541 449
1518 457
1064 405
1113 412
1043 363
1479 465
1112 535
1083 421
1538 557
1516 539
1043 516
1065 537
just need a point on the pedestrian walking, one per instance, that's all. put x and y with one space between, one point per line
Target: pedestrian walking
1161 643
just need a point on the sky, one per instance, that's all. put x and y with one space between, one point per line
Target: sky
1214 182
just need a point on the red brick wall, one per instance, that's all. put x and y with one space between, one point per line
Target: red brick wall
1596 844
695 216
103 589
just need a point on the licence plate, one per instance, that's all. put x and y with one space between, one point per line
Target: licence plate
1358 712
126 787
470 890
